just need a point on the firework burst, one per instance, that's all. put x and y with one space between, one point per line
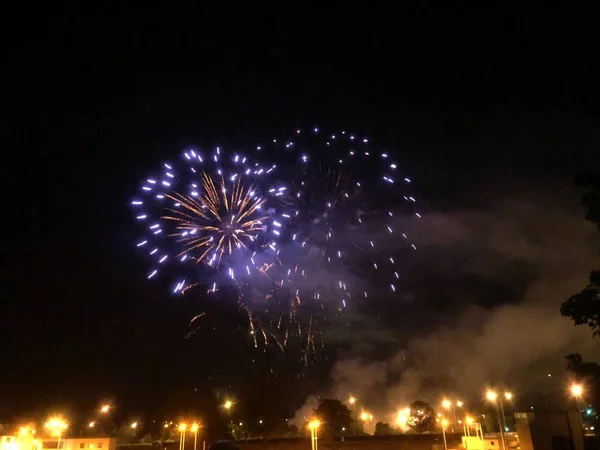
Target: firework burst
295 243
215 221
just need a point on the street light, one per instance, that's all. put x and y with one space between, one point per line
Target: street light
402 417
182 427
366 416
352 400
92 424
313 426
450 405
228 405
469 421
444 425
492 396
508 396
194 429
133 425
56 425
577 393
105 409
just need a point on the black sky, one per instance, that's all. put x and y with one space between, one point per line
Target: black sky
104 95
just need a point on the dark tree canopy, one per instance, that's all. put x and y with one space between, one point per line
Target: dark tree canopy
421 416
383 429
334 415
584 307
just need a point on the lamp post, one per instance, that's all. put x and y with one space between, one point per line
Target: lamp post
468 422
57 425
508 396
194 429
314 426
444 425
492 396
577 392
451 405
182 427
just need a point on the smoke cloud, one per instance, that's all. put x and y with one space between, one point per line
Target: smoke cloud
479 306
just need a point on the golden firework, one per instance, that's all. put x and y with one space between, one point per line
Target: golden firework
216 221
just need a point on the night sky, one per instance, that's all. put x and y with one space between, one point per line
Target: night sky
484 109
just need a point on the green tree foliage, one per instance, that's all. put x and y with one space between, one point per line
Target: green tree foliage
584 307
421 417
334 415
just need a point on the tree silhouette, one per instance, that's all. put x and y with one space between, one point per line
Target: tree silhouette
334 415
584 307
382 429
421 416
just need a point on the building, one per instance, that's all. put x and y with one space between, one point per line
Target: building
28 442
550 431
80 443
19 442
491 441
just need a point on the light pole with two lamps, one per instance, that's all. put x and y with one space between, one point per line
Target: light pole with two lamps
447 404
313 426
182 427
57 425
492 396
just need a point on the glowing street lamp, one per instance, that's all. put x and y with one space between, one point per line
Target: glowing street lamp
25 430
366 416
228 405
492 396
105 409
402 417
313 426
92 424
57 426
469 421
352 400
447 404
577 393
133 425
444 425
507 396
182 427
194 429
